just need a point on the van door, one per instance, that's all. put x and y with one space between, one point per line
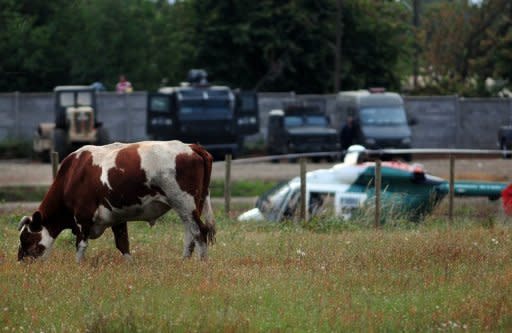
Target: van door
247 113
161 118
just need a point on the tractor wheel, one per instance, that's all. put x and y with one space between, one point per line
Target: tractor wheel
102 137
60 143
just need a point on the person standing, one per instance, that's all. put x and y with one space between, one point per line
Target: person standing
348 134
124 86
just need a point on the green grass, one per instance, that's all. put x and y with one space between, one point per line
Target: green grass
22 193
241 188
270 277
13 148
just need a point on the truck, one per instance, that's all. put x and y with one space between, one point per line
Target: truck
299 128
217 117
76 123
380 117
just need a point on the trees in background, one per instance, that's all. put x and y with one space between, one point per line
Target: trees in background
464 44
266 45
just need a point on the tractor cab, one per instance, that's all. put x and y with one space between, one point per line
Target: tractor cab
76 123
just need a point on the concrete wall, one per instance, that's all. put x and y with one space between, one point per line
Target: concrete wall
442 121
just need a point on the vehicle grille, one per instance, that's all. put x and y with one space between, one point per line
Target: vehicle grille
83 123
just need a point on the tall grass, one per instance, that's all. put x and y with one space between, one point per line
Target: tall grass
260 277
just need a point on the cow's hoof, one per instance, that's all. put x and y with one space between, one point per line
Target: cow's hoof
128 258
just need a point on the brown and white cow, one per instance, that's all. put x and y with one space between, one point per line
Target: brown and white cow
98 187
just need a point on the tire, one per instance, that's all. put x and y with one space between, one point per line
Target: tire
102 137
45 156
60 143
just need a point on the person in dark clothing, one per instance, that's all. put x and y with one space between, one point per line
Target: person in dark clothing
348 134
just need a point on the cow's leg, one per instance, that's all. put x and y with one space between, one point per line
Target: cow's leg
200 238
81 245
192 233
188 242
121 238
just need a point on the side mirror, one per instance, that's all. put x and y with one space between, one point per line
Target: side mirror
412 121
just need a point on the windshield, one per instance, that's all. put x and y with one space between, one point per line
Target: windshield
205 110
83 98
382 116
271 202
307 120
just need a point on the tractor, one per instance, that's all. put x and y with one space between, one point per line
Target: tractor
76 123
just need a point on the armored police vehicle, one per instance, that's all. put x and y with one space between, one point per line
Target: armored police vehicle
216 117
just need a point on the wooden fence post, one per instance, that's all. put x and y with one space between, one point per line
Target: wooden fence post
227 185
54 157
378 188
452 187
303 211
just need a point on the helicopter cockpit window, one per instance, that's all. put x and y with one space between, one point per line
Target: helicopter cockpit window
271 203
321 203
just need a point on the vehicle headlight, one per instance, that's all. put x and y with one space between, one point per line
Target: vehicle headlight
161 121
406 141
246 121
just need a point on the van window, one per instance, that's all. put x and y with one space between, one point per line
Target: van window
382 116
316 121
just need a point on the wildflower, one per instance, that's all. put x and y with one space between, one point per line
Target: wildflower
301 253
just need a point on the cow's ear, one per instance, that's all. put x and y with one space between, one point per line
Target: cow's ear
36 223
24 220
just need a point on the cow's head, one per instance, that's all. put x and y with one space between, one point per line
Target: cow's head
35 241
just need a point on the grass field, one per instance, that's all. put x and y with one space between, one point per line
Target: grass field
317 277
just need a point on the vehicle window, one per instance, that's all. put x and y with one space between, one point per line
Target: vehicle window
382 116
248 103
159 103
316 121
204 110
84 98
271 202
292 121
321 203
67 99
292 209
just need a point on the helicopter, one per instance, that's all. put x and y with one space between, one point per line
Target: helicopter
347 188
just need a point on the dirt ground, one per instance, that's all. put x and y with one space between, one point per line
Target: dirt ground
29 173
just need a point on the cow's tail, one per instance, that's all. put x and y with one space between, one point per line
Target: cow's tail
205 206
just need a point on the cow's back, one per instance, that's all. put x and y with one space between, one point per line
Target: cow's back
126 175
